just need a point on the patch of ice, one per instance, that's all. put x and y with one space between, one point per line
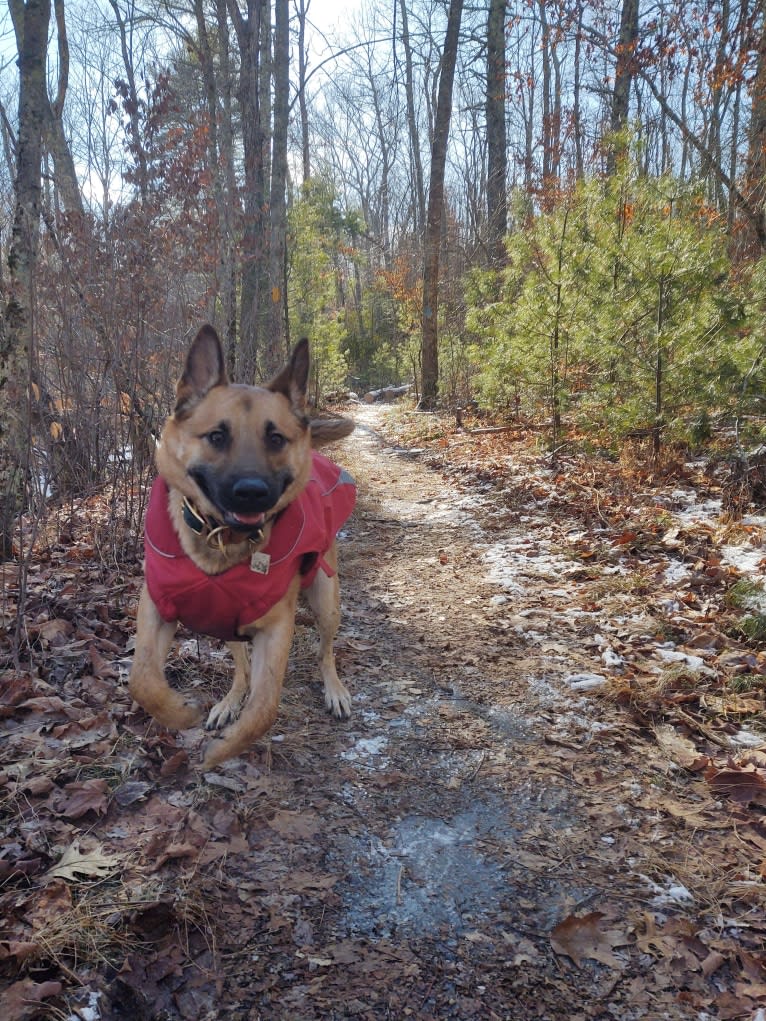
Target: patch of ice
670 894
756 520
545 692
365 748
748 738
498 600
676 656
704 512
675 572
507 562
90 1011
429 876
585 681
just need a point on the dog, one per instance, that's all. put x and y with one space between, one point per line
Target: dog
243 515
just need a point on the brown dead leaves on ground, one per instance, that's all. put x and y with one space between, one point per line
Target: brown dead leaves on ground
125 873
667 609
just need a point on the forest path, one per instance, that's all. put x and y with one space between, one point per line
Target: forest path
477 799
489 836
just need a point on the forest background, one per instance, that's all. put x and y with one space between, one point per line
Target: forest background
550 209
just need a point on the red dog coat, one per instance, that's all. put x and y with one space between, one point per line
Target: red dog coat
220 604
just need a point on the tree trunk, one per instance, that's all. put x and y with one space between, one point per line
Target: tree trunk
16 340
228 269
275 347
254 246
576 89
384 188
623 78
755 174
207 66
67 187
545 47
419 202
302 9
497 155
430 356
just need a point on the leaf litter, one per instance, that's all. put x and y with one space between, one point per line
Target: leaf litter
549 801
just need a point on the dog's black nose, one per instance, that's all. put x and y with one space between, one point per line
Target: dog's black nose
250 492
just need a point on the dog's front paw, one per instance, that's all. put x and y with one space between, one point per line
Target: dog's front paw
223 713
216 752
338 701
168 707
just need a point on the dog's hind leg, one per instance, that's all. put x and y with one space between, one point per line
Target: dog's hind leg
148 684
226 710
268 663
324 599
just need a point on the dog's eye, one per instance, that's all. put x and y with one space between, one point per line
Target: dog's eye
275 440
218 438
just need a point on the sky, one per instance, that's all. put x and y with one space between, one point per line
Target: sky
332 17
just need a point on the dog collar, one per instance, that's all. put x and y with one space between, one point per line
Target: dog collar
216 532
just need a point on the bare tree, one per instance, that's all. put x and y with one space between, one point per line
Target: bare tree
55 142
249 28
16 341
624 74
412 124
302 10
755 182
275 346
497 149
430 342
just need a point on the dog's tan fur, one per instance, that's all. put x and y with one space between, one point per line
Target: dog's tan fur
205 398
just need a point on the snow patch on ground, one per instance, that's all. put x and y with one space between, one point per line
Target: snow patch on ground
508 564
746 559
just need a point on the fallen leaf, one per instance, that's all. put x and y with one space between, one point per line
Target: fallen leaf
131 791
22 1000
53 632
74 862
734 704
677 747
743 784
584 937
295 825
77 799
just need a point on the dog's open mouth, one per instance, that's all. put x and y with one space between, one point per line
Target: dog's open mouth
244 521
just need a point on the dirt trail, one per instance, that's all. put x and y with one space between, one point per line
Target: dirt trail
473 802
485 838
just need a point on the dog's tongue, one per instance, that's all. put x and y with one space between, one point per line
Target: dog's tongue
250 519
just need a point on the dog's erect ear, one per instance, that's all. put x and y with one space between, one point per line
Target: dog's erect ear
293 379
328 430
204 369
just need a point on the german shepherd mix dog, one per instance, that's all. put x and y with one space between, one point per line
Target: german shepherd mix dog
242 517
